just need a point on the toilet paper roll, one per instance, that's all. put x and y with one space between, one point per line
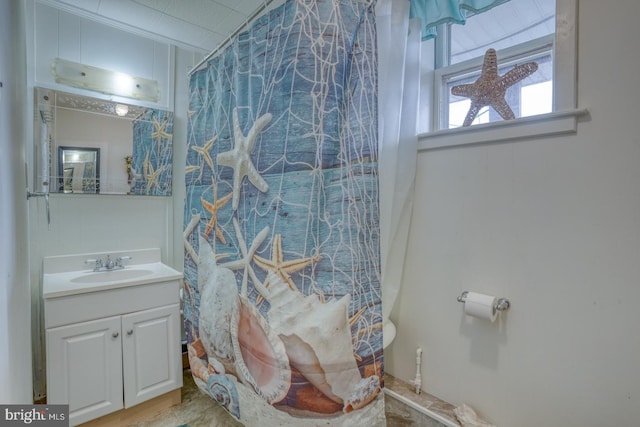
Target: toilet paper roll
481 306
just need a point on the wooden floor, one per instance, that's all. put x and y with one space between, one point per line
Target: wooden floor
139 413
193 407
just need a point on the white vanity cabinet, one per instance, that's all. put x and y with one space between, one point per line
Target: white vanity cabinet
84 368
112 347
151 353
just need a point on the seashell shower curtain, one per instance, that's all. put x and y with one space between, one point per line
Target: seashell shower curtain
281 228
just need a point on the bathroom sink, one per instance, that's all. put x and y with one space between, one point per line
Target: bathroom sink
65 275
111 276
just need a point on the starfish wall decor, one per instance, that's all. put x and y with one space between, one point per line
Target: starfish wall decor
490 88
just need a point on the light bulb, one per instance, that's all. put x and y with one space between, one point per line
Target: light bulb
122 109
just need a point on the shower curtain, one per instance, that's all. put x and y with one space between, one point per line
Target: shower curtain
399 81
281 232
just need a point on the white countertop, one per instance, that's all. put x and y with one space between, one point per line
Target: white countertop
59 281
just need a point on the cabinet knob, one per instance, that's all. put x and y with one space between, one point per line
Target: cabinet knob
115 334
130 332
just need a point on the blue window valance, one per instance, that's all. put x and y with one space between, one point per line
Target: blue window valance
436 12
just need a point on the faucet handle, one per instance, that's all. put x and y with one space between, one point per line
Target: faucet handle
120 259
97 263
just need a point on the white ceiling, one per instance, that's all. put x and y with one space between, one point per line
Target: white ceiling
200 25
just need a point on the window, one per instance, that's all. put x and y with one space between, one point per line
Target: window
523 98
520 31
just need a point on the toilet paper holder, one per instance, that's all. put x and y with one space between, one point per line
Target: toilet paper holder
502 304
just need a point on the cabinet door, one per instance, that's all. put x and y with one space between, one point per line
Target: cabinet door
151 353
84 368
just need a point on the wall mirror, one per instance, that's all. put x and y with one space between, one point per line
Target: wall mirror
87 145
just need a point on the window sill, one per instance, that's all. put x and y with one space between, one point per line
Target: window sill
556 123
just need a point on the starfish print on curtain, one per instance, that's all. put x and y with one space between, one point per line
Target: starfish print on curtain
244 263
239 158
283 268
149 170
293 103
151 175
188 247
212 208
204 152
490 88
159 132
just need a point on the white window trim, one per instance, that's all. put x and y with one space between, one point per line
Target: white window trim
555 123
524 51
562 120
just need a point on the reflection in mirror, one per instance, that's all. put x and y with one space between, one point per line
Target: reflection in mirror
132 145
80 168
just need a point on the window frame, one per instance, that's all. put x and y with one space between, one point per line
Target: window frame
565 114
506 57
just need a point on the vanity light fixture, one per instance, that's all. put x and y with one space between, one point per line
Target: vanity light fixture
122 109
105 81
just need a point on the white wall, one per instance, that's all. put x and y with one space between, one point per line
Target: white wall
15 322
185 61
60 34
554 225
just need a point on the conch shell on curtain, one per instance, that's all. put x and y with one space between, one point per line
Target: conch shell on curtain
282 262
314 337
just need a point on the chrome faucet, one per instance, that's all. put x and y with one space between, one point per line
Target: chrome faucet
107 264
